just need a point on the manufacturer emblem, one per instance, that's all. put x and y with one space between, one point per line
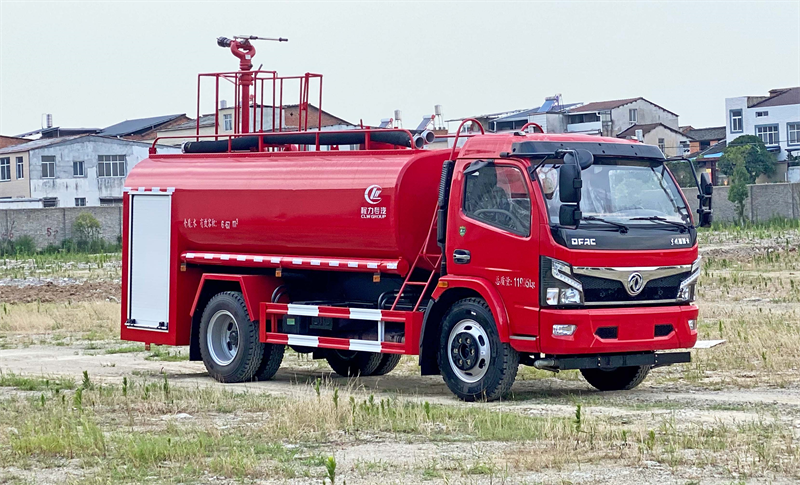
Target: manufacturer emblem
462 230
635 284
373 194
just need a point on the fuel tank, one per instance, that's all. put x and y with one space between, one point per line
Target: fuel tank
359 204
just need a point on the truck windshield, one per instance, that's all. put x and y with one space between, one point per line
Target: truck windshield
619 190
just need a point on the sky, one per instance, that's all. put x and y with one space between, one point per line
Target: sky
93 64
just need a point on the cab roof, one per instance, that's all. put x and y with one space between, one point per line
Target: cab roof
491 145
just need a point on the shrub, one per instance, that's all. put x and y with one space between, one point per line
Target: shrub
24 245
86 230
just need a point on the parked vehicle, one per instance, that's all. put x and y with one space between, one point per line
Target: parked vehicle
556 251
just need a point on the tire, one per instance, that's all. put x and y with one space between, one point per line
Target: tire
229 344
349 363
475 364
270 362
387 364
619 379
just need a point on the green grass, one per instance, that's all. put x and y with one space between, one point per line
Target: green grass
26 383
167 355
126 349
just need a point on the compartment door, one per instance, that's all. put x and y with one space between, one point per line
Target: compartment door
150 232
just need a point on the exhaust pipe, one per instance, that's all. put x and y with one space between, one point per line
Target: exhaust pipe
424 138
546 364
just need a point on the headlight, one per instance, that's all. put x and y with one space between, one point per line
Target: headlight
686 290
559 285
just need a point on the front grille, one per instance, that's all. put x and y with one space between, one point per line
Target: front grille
607 291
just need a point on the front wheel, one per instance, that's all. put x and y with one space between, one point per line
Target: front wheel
475 364
619 379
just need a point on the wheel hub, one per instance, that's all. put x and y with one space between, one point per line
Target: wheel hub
469 351
223 338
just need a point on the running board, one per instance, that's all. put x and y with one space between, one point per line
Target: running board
707 344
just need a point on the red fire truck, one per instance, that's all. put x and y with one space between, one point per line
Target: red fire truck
553 250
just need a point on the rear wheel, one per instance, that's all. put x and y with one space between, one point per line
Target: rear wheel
229 342
349 363
475 364
619 379
387 364
270 362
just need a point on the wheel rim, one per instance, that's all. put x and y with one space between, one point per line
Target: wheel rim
468 351
223 337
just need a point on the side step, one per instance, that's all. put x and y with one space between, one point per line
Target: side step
611 361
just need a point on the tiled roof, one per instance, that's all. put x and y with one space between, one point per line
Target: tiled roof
707 134
780 97
646 128
130 127
40 143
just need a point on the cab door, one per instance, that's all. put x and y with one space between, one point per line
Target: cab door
491 236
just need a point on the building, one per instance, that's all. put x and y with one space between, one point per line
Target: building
610 118
707 160
670 140
550 116
774 118
143 128
703 138
7 141
79 170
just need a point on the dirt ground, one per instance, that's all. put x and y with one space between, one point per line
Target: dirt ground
751 384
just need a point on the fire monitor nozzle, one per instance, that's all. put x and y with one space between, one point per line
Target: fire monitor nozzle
223 42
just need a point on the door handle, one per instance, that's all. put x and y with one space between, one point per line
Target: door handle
461 256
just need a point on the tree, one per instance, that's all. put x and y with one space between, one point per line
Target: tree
737 193
86 229
751 151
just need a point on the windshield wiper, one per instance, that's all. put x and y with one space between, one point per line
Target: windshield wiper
682 226
622 227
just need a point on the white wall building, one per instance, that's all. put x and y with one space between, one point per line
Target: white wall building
774 118
85 170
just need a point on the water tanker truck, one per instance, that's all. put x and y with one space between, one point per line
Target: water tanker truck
559 251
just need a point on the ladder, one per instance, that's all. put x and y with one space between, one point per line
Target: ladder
435 260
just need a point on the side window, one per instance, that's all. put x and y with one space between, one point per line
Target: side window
498 195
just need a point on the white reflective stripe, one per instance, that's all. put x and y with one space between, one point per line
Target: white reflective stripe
303 310
391 266
365 314
304 340
334 263
707 344
241 258
297 261
156 189
275 260
126 189
365 345
208 256
352 265
315 262
258 259
141 189
225 257
381 331
372 265
170 190
190 255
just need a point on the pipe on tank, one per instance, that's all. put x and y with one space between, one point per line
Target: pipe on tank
247 143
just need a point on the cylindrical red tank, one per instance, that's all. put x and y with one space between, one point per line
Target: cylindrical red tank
342 204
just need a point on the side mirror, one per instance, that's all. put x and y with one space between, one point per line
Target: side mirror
705 185
706 218
581 157
569 183
569 215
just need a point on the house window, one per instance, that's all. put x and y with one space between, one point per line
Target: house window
793 133
685 147
48 167
111 166
110 201
78 169
5 169
762 114
736 121
50 202
633 115
20 169
661 145
768 134
80 201
227 121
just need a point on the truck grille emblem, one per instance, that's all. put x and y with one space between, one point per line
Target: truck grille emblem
635 284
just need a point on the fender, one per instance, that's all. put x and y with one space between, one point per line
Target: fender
255 289
429 339
487 291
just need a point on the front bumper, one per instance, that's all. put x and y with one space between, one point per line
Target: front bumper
639 329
